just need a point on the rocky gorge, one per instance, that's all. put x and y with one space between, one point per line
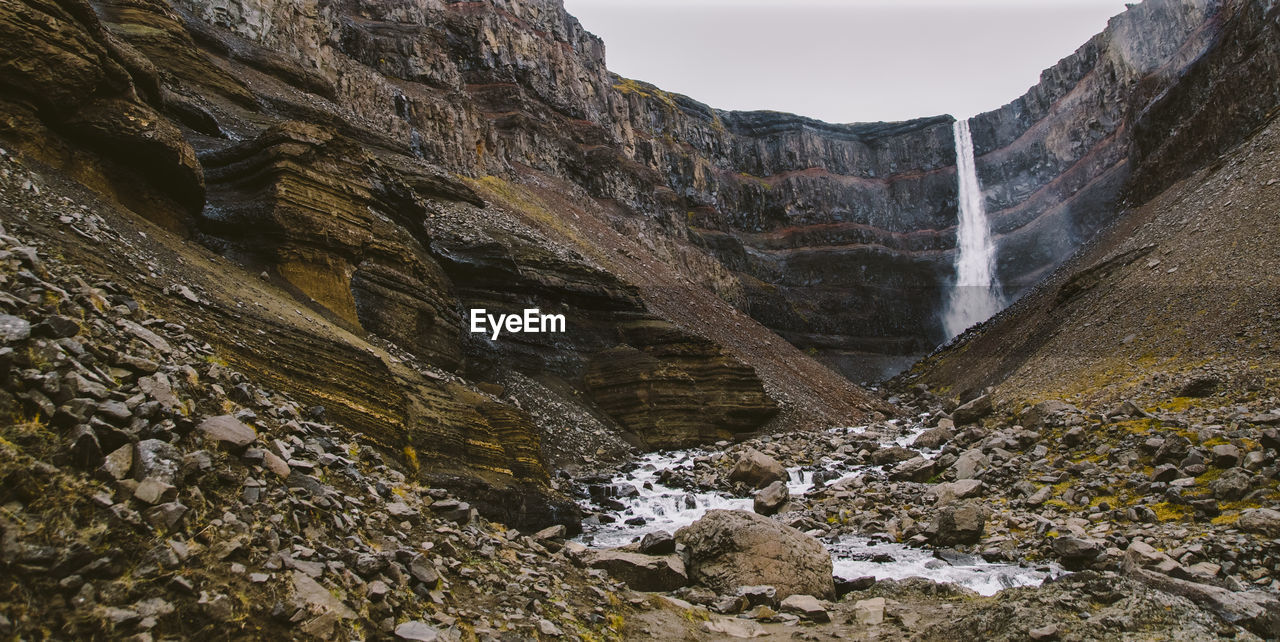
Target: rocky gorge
240 239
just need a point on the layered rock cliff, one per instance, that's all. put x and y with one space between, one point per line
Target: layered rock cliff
388 166
361 168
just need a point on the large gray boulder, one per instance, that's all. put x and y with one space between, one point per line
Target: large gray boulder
757 469
727 550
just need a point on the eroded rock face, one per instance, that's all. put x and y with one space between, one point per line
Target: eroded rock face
69 85
726 550
673 389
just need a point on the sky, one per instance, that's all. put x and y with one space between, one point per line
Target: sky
843 60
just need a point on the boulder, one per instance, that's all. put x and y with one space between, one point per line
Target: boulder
228 430
1226 456
13 329
1044 413
1077 552
1232 485
892 455
870 612
973 411
953 525
638 571
970 463
1260 520
807 607
933 438
1254 610
918 469
757 469
658 543
727 550
771 499
948 493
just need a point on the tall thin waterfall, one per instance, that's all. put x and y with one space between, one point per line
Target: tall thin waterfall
976 296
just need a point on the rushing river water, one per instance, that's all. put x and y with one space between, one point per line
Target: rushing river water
649 505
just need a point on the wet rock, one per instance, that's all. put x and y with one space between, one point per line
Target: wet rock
954 525
757 469
733 627
551 532
640 572
972 411
658 543
844 586
727 550
807 607
760 595
229 430
771 498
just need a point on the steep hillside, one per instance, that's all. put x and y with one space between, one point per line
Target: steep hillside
1178 289
1176 299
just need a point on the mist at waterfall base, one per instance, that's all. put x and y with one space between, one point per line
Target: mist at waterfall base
976 295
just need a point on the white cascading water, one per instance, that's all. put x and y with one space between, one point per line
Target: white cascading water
653 506
976 296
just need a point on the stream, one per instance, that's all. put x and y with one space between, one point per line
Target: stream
643 504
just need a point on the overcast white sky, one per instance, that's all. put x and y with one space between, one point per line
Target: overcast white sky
843 60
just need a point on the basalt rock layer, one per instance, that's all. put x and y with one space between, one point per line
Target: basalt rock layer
388 166
368 173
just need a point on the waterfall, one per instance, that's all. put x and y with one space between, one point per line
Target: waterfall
976 295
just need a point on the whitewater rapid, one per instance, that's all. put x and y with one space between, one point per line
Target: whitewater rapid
644 497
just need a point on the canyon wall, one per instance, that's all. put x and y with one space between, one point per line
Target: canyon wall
388 165
838 237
